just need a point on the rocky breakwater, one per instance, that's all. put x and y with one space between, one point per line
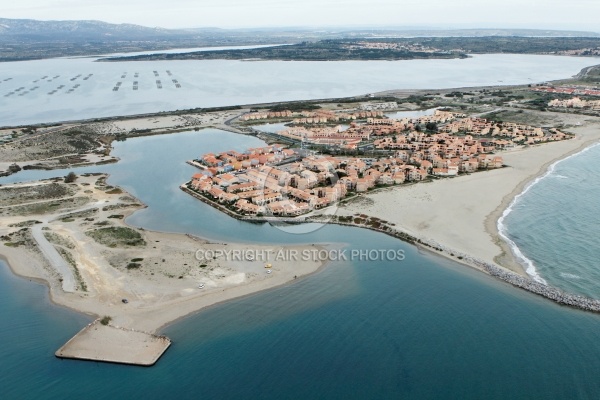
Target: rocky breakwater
520 281
552 293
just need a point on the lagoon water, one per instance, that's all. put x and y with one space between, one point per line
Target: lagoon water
424 327
421 328
63 89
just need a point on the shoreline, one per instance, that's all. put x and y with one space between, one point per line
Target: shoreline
422 243
320 269
500 273
52 297
153 297
517 276
494 221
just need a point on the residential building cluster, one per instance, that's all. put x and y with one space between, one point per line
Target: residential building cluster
516 133
442 154
329 136
575 102
215 164
265 186
328 116
394 46
276 181
370 106
356 133
312 117
298 187
591 51
390 126
257 115
574 90
271 186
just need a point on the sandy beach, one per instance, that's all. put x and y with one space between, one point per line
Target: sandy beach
461 213
161 276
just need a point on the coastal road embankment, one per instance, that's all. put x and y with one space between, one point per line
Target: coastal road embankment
54 258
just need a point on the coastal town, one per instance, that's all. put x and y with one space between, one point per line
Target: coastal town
288 182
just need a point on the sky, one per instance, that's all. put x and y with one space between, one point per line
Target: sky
544 14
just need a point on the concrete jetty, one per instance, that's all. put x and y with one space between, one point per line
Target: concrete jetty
113 344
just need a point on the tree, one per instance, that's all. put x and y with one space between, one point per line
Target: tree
70 178
431 127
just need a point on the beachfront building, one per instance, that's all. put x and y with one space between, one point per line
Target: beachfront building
273 180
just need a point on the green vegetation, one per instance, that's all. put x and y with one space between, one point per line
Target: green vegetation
408 48
59 240
25 224
102 223
105 320
133 265
68 257
295 106
117 237
324 50
44 207
71 177
25 194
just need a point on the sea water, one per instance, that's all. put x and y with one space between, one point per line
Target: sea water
555 224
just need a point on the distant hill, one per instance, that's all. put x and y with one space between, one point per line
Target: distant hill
28 39
79 31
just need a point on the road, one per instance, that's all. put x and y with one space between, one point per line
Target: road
52 255
54 258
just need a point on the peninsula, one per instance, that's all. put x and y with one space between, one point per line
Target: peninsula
389 49
134 281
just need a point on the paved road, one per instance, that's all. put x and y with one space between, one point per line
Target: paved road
54 258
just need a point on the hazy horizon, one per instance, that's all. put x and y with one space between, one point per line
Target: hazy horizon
331 14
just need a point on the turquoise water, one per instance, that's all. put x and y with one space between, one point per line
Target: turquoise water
424 327
556 224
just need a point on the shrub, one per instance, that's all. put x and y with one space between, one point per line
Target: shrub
71 177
